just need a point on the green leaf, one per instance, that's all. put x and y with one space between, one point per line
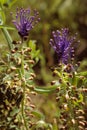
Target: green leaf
41 125
80 98
13 126
76 103
83 73
14 112
38 114
9 28
32 45
8 37
45 89
74 79
35 54
2 17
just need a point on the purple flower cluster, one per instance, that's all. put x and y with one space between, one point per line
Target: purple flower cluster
63 44
24 21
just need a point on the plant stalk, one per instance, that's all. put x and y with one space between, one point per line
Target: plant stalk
24 89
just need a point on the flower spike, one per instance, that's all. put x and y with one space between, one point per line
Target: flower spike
63 44
25 22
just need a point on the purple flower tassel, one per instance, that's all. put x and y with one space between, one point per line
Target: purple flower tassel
64 45
25 22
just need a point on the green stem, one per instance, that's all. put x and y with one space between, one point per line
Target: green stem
24 89
8 37
6 33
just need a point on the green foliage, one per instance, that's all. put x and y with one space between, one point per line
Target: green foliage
46 89
34 53
70 97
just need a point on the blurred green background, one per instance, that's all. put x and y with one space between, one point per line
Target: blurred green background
54 14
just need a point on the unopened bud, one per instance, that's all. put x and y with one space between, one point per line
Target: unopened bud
16 48
28 49
31 78
19 61
73 121
57 99
33 106
80 111
74 98
81 77
81 123
65 106
60 80
13 51
16 79
31 61
23 79
53 82
31 115
29 99
34 93
79 63
68 83
73 87
33 75
81 128
16 75
70 75
84 90
58 89
13 68
80 117
67 96
54 73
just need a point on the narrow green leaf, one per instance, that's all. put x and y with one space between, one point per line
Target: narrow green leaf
45 89
9 28
38 114
11 2
32 45
8 37
83 73
2 17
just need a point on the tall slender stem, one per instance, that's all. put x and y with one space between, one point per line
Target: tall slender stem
24 88
8 38
6 33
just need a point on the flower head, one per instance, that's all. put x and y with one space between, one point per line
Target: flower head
24 21
63 44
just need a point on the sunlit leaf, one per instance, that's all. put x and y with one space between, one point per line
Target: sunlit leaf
80 98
